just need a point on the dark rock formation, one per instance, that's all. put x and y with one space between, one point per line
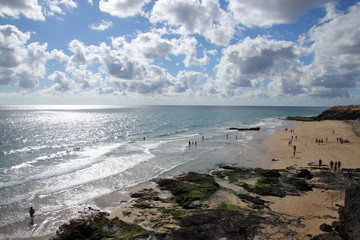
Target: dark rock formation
326 227
218 224
351 212
351 112
254 200
299 184
98 226
304 174
189 189
245 129
349 225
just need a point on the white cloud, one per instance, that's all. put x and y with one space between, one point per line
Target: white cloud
122 8
14 8
103 25
336 52
20 64
187 82
205 17
265 13
53 7
34 9
245 64
104 90
152 46
288 83
83 77
61 82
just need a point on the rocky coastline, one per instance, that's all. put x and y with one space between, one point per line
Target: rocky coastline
229 203
243 203
351 112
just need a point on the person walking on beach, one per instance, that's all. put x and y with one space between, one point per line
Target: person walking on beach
331 164
320 163
32 212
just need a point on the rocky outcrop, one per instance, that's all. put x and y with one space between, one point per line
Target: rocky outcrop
98 226
351 213
190 189
245 129
351 112
218 224
348 227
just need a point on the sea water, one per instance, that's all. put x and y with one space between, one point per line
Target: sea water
62 159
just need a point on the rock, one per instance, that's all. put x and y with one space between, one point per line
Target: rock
100 227
146 194
268 173
304 174
254 200
245 129
351 212
326 227
351 112
191 189
299 184
266 190
218 224
327 236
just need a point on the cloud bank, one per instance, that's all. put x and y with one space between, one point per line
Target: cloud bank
201 42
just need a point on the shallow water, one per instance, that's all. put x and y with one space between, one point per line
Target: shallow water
61 160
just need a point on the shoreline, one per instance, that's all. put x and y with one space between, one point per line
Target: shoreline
312 208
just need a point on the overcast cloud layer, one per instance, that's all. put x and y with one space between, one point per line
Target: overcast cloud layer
189 51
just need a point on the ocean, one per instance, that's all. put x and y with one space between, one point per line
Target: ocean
62 159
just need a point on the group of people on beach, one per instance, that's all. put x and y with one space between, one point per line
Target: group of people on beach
342 140
321 141
335 166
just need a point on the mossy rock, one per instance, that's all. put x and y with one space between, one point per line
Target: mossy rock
228 206
191 189
100 227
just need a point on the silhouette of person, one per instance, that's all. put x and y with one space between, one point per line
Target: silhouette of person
32 212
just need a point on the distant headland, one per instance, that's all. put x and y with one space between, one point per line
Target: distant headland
350 112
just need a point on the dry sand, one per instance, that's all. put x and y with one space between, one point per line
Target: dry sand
307 150
318 206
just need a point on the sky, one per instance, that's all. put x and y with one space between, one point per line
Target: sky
198 52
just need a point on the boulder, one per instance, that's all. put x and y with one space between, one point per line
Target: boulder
304 174
326 227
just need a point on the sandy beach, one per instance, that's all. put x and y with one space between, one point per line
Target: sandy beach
308 151
318 206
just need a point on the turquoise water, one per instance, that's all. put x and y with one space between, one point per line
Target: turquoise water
61 159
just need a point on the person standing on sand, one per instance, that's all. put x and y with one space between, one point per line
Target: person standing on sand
320 163
331 165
